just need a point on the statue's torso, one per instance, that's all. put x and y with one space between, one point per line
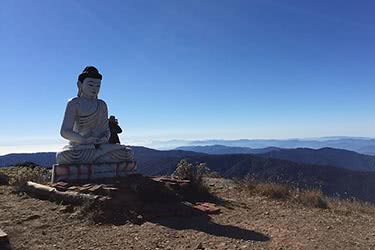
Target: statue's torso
90 117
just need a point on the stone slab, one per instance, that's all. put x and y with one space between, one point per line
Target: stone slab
207 207
3 236
92 171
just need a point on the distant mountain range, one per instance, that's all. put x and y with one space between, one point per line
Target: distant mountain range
325 156
323 168
221 149
331 180
361 145
42 159
151 161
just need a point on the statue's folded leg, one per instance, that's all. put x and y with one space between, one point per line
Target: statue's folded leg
76 156
106 153
118 155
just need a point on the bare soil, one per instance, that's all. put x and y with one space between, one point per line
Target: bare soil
246 222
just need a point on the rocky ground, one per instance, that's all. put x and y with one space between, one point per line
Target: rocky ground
246 222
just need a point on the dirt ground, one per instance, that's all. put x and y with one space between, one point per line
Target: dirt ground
246 222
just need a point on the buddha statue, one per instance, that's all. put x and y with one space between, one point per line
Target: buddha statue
86 127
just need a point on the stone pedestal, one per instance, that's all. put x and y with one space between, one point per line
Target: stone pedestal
92 171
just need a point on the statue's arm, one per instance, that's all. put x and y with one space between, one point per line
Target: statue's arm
118 129
107 132
68 123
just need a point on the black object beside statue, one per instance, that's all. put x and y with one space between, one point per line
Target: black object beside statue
115 130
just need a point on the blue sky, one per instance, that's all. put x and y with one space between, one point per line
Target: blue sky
189 69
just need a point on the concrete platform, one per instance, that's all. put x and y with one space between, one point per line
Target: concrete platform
92 171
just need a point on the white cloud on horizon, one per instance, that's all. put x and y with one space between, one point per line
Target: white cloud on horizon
156 143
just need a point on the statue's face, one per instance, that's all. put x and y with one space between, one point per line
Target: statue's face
90 87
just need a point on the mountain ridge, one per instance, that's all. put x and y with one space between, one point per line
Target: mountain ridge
324 156
364 145
331 179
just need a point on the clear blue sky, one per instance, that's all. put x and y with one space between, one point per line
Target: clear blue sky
190 69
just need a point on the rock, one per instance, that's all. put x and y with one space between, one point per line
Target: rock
95 188
4 179
32 217
67 209
207 207
3 236
199 246
4 242
62 186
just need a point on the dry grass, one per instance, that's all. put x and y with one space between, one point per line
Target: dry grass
312 198
309 198
349 206
273 190
19 176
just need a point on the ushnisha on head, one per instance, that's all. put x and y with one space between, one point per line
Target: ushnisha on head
89 83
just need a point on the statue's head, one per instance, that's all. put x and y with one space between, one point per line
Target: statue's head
89 82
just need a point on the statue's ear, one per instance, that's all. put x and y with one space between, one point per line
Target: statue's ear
79 85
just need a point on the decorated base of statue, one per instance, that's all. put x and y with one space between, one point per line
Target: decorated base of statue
92 171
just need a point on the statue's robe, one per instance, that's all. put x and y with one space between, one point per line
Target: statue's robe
95 124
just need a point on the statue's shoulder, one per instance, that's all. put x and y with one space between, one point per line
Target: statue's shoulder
101 102
73 101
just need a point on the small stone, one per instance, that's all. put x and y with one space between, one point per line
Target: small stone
199 246
3 235
67 209
32 217
329 227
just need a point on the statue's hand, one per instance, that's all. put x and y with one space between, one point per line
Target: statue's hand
101 140
90 140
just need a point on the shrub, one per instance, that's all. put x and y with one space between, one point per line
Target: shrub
184 170
312 198
188 171
197 188
19 176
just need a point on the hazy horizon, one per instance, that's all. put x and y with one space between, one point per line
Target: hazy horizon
29 147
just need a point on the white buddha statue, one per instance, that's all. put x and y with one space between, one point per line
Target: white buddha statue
86 126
